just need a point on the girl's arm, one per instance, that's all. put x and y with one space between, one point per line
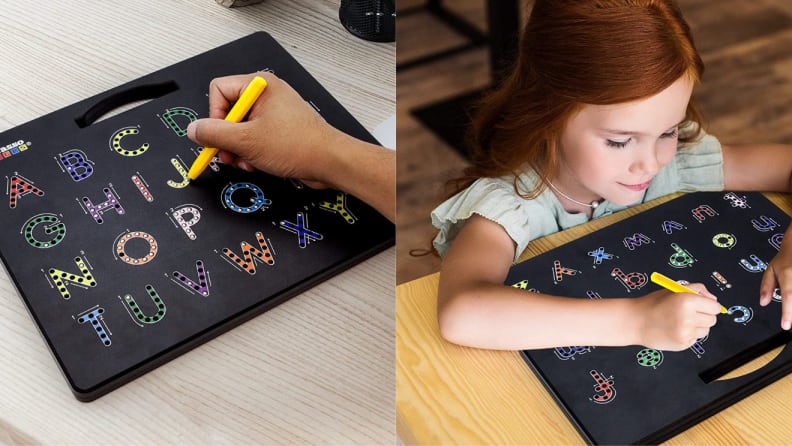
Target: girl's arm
766 167
757 167
476 309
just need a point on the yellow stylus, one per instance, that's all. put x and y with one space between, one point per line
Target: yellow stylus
238 111
676 287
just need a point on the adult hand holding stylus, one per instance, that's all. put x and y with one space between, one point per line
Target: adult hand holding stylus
284 136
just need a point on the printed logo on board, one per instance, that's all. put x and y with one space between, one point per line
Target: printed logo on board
14 148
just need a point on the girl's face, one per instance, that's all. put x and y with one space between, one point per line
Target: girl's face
614 151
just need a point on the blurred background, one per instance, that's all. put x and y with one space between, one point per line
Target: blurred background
448 52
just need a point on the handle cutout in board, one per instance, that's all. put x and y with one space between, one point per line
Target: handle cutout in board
747 361
125 97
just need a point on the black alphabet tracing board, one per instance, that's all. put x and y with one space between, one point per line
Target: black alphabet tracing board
124 264
633 394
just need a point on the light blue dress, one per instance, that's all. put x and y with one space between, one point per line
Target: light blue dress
698 167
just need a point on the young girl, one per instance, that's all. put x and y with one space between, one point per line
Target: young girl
595 117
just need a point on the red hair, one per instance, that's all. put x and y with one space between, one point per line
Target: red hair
572 53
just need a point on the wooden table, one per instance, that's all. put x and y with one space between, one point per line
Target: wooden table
449 394
317 369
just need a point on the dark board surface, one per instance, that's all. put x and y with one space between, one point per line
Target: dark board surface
637 395
122 264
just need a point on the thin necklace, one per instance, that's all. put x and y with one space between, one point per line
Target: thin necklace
592 205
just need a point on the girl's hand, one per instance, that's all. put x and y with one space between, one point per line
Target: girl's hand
674 321
779 275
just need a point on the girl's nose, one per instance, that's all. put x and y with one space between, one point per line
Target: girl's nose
646 163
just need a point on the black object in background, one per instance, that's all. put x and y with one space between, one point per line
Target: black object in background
449 119
373 20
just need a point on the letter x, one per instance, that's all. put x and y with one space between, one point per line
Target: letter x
600 255
304 235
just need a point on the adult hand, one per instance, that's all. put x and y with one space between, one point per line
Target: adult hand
284 136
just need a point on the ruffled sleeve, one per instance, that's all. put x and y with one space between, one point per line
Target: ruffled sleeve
698 168
495 200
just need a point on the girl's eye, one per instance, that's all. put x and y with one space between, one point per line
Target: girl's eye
617 144
671 134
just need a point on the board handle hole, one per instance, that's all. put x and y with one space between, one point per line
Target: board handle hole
747 361
124 100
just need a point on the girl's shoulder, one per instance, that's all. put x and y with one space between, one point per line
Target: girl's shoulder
498 192
502 200
698 166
